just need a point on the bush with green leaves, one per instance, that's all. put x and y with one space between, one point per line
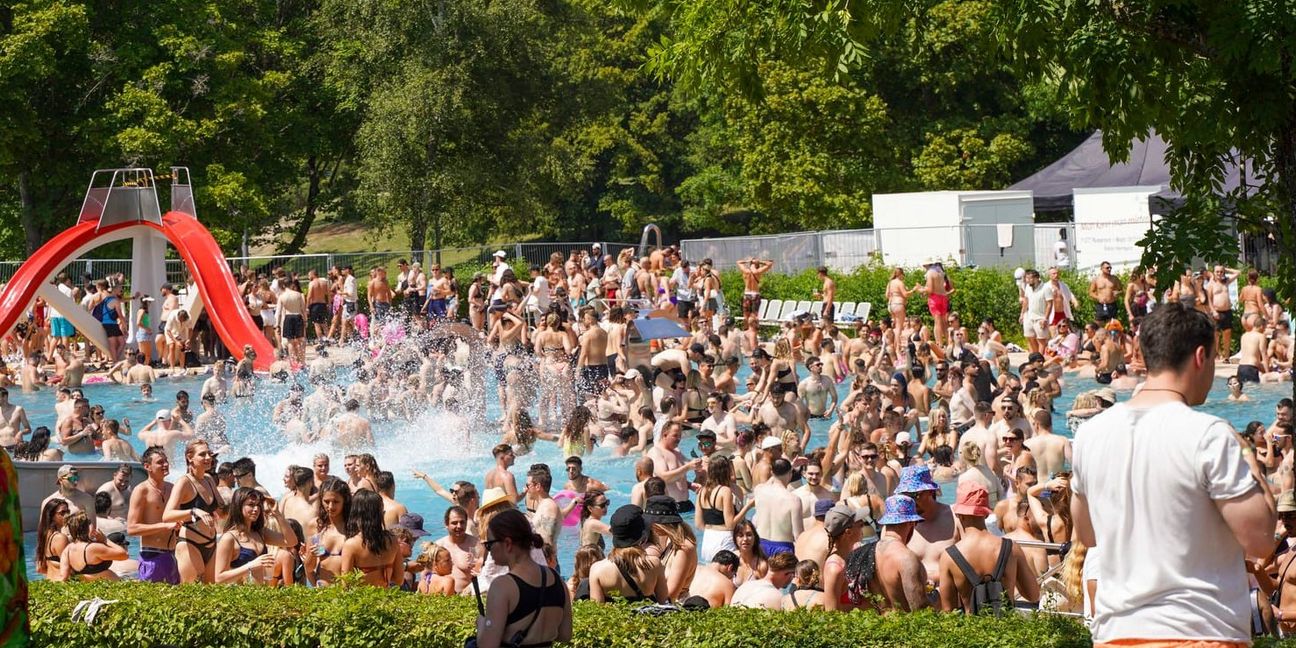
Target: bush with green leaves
146 614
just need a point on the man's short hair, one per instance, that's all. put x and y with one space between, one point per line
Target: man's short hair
982 407
654 486
501 449
781 466
542 477
725 557
785 561
1171 333
151 452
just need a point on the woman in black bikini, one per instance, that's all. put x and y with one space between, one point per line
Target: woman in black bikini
193 504
530 608
93 553
241 552
328 531
50 540
628 571
369 546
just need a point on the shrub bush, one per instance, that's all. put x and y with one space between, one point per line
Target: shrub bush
237 616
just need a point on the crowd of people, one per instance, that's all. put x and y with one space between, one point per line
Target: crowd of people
761 512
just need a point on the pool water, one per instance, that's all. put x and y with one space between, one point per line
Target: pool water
451 450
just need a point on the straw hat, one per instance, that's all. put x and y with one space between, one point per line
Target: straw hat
491 497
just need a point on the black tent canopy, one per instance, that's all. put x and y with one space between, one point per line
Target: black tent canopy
1089 167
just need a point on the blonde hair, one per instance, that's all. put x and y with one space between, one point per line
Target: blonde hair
970 452
1073 571
1085 400
430 554
782 349
855 485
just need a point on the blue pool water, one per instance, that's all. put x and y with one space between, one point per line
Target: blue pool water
448 453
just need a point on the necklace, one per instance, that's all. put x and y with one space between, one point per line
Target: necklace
1165 389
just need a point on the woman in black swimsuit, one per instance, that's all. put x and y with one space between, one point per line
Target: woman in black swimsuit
50 540
530 608
628 572
193 505
241 551
93 553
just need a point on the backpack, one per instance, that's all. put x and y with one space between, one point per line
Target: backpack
98 311
988 590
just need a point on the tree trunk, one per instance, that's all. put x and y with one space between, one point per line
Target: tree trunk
32 231
298 241
1285 219
436 236
417 236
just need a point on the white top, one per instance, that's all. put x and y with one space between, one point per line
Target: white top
499 273
67 292
682 290
539 297
1050 292
1170 568
1061 255
349 291
1036 300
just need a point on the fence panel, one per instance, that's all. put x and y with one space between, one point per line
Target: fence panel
845 250
790 253
1046 236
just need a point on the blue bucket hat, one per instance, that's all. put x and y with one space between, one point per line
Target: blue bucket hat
915 479
900 509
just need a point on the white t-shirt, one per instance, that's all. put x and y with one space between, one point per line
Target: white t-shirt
1061 255
1036 300
683 292
539 297
1171 568
349 290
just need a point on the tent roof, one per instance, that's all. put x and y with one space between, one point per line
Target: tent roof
1088 166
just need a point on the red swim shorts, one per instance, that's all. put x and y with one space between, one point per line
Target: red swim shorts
938 304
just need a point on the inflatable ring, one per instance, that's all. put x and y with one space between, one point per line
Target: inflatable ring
563 497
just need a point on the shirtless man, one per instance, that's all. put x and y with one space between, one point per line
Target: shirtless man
166 430
812 492
76 432
669 464
1105 290
643 468
546 517
779 519
218 386
591 359
351 430
715 581
500 476
393 510
720 421
937 287
77 499
132 370
982 551
1254 360
170 304
752 270
616 341
13 423
178 329
462 547
380 294
936 531
578 481
210 425
1052 452
317 303
1221 305
816 390
767 593
827 293
157 563
901 573
292 319
438 293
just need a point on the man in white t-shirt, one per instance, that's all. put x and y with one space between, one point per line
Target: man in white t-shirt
1061 251
538 293
1034 309
1172 498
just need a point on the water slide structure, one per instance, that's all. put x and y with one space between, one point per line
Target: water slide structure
122 204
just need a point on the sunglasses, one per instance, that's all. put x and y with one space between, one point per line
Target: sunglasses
869 457
489 543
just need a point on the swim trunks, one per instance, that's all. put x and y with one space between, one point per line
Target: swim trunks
938 305
751 303
773 547
829 312
381 310
293 327
158 566
60 327
684 507
684 309
1057 318
593 378
112 330
437 308
1105 312
1248 373
1224 320
318 313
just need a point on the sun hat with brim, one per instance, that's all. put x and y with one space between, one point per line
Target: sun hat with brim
492 496
973 499
822 507
900 509
915 479
628 527
661 509
412 522
842 517
1287 502
1106 394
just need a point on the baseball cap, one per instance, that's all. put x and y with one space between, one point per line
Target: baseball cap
903 437
632 374
973 499
841 517
771 442
822 507
706 434
163 415
66 469
500 253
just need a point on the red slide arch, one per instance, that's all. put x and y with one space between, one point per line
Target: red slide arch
211 274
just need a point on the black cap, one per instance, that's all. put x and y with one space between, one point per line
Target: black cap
628 527
706 434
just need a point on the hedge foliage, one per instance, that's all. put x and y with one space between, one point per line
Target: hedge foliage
236 616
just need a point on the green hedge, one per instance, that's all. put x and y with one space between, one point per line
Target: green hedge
235 616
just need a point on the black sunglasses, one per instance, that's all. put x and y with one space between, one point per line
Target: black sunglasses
489 543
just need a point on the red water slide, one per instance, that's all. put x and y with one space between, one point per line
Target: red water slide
215 282
199 250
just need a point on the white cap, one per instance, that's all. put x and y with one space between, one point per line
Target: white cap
1019 273
903 437
771 442
632 374
163 414
500 253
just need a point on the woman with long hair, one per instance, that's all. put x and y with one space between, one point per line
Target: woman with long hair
437 566
575 439
1050 505
594 505
290 562
629 571
365 472
808 593
241 554
718 508
50 539
193 503
369 546
88 554
781 377
328 531
531 606
578 584
674 544
554 349
897 296
751 558
844 527
938 433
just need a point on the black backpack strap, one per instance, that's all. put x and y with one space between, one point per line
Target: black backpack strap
970 574
1005 553
633 584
